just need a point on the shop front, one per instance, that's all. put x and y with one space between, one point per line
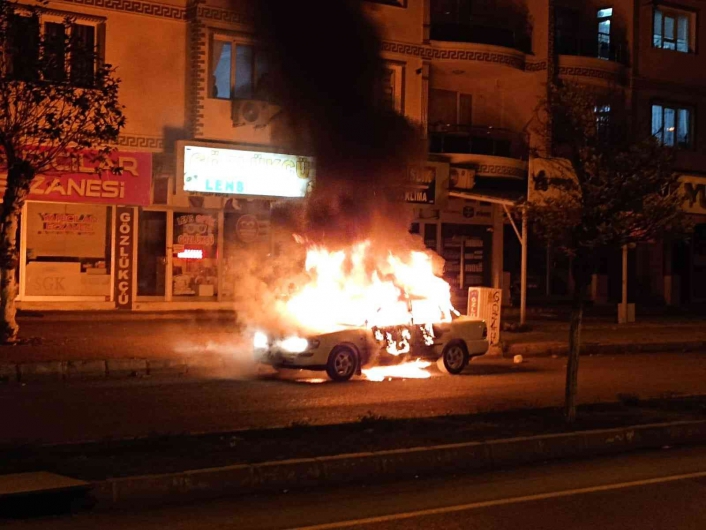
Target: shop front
458 228
218 208
75 252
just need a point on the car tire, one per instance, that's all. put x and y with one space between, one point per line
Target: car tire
454 358
342 363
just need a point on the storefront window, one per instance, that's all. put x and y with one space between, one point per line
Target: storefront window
68 249
195 259
246 231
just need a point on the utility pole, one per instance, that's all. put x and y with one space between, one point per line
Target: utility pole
523 269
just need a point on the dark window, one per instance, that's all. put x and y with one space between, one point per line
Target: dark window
54 60
83 55
24 47
672 125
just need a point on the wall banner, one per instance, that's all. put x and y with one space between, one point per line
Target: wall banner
124 245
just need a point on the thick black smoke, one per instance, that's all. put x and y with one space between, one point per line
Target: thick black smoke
328 76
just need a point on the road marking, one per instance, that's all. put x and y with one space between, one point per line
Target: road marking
500 502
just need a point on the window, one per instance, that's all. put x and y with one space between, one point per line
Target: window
602 118
239 71
673 30
392 83
24 47
39 44
604 16
672 125
448 108
83 55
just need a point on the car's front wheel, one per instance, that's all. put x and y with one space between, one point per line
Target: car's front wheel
454 358
342 363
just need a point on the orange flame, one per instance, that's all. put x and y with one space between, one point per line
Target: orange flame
356 287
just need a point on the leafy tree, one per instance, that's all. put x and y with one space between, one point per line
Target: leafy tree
56 98
606 182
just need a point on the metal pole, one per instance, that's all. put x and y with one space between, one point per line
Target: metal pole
523 270
624 304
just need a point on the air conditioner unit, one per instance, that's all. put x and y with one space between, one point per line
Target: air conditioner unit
461 178
253 112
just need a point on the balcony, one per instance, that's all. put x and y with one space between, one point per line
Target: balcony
491 151
479 33
589 46
467 139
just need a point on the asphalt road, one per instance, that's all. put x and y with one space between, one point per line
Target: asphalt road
656 490
92 410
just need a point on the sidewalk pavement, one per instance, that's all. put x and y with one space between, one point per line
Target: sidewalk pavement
90 340
605 336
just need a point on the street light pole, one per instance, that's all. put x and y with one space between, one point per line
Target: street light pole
523 270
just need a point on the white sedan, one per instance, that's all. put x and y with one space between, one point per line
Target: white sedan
342 353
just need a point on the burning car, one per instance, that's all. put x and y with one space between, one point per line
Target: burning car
346 352
363 306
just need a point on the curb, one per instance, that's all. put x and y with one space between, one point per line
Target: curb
43 371
286 475
549 348
136 367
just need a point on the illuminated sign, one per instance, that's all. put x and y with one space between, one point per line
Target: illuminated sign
190 253
218 171
73 177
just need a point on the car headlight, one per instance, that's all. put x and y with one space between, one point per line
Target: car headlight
260 341
294 344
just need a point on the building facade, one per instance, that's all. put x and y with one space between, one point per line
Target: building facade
471 73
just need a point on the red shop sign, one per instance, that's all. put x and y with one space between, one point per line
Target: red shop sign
73 178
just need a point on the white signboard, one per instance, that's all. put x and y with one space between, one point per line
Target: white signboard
219 171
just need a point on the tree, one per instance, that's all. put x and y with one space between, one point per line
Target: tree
56 98
606 183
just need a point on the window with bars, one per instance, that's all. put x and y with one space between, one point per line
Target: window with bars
672 125
239 71
673 30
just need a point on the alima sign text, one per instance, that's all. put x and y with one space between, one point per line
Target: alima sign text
209 170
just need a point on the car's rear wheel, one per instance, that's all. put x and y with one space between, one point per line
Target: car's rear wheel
342 363
454 358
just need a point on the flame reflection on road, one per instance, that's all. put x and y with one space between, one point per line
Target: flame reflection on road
411 370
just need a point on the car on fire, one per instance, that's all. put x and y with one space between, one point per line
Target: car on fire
343 353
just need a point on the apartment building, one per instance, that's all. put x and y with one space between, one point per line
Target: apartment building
470 72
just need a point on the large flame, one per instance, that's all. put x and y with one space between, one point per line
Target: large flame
359 287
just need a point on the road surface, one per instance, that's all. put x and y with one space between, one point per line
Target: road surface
649 491
74 411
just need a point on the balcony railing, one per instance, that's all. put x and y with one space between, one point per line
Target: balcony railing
467 139
481 34
591 47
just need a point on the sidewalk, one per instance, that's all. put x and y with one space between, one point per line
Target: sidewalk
603 335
